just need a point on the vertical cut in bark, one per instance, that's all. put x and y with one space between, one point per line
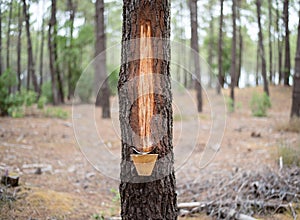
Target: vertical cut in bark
145 88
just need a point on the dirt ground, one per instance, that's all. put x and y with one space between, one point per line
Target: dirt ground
58 182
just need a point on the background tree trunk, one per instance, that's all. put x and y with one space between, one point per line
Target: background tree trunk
211 41
100 67
270 2
262 49
239 66
279 43
195 47
295 111
71 9
257 64
30 69
141 199
51 39
8 35
233 52
42 54
19 46
220 49
287 60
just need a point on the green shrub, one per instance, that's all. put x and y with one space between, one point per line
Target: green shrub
259 104
84 88
229 104
41 102
47 91
56 112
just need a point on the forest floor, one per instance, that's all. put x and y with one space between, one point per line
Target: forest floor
58 182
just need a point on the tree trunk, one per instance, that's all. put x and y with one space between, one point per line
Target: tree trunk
262 49
287 60
42 54
71 9
279 44
30 63
211 42
19 47
151 197
233 52
239 66
270 2
51 39
295 111
100 67
220 50
195 47
1 61
8 35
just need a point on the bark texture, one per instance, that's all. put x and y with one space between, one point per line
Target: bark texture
51 46
30 61
262 48
287 58
279 43
220 50
151 197
100 67
195 47
270 2
233 52
295 112
19 47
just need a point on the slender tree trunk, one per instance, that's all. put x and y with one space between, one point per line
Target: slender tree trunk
233 53
262 49
295 111
30 63
270 2
211 42
195 47
51 39
42 54
8 35
220 50
1 61
152 197
71 9
239 67
19 47
100 67
287 60
279 44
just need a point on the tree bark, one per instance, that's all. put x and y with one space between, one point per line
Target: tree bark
262 49
30 61
8 35
270 2
152 197
42 54
72 11
220 50
233 53
287 60
195 47
239 66
51 41
295 111
19 46
100 67
279 44
211 41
